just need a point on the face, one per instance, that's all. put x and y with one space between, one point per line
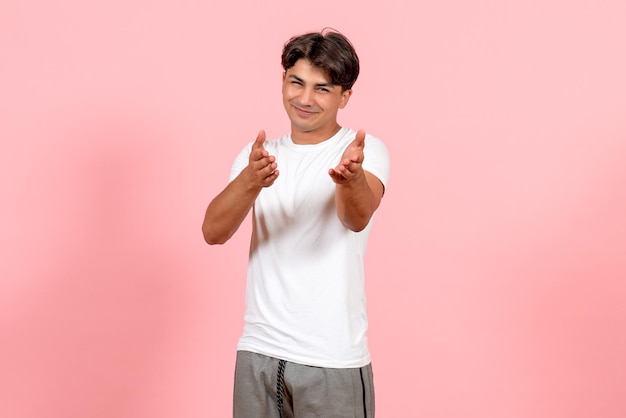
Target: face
312 102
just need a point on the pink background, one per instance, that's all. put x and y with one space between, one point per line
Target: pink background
497 265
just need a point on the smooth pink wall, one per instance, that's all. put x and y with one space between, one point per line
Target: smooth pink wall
497 266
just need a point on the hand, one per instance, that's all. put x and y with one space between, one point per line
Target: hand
261 165
350 167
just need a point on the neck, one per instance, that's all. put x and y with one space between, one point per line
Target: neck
313 137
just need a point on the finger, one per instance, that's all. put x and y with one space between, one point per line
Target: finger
272 176
351 168
357 158
268 169
335 175
343 171
269 179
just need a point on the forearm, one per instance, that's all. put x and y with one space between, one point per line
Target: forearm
356 203
227 211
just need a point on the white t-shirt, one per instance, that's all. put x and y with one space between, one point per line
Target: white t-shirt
305 296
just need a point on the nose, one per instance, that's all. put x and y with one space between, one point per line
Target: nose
306 97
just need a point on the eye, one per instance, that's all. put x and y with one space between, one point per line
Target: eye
323 89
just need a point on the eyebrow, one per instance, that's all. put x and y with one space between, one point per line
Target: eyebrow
331 85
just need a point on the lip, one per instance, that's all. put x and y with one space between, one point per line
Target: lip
303 112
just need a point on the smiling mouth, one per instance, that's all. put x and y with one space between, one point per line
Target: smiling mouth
303 112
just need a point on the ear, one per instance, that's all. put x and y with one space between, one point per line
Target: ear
345 96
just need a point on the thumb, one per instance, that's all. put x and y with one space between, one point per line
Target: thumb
260 139
359 140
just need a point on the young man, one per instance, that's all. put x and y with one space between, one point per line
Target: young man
313 194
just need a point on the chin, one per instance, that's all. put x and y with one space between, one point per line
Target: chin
297 125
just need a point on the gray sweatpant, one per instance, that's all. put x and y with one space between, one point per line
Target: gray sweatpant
267 387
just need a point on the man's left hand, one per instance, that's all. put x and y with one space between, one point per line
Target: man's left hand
350 167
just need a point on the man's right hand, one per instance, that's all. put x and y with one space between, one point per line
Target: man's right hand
261 170
229 208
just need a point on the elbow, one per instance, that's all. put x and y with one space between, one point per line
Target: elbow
213 239
356 225
355 217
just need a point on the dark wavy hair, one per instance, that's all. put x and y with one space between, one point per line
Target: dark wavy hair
328 50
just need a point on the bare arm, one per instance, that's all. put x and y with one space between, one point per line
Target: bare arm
228 209
358 192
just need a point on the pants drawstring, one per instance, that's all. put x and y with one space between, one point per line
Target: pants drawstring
280 386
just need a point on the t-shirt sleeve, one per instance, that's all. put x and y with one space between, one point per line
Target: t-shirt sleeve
240 162
376 159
